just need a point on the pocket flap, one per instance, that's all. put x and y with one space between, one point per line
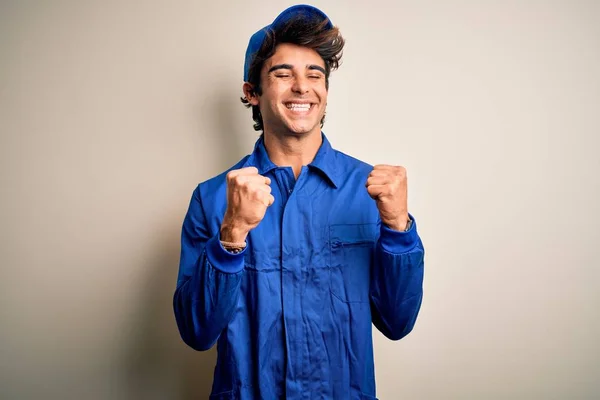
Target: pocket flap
352 233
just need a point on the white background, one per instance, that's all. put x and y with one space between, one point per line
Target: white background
111 112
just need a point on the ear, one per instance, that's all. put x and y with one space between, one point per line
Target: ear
250 94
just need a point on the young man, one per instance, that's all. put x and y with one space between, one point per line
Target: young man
288 257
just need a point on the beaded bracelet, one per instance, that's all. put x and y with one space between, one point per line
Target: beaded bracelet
233 247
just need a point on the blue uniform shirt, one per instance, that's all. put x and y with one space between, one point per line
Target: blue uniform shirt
292 313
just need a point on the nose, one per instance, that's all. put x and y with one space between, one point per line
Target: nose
300 85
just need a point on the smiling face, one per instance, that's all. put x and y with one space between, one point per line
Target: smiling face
294 91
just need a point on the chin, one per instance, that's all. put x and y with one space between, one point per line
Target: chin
300 131
303 128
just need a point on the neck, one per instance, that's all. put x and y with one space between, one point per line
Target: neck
292 150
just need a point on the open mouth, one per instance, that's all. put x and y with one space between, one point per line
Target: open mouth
299 107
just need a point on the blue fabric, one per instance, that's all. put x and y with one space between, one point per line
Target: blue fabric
292 314
257 39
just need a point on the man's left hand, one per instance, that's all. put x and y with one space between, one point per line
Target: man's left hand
386 184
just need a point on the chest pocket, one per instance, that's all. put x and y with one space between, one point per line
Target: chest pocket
351 247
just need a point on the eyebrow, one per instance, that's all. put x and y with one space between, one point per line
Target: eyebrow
289 66
318 68
280 66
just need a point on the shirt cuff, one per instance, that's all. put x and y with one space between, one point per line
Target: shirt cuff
398 242
222 259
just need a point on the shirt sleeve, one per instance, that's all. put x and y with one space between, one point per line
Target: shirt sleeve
397 281
208 282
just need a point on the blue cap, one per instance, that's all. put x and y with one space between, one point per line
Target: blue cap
256 41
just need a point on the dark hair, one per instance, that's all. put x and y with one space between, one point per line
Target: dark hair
328 43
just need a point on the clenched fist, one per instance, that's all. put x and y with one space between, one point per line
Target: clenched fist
248 196
386 184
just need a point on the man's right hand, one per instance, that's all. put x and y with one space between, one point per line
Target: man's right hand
248 196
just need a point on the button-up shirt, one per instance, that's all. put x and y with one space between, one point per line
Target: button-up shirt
292 313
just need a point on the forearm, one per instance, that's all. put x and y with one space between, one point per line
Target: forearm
397 281
204 302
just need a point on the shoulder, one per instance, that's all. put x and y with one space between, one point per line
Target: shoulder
208 188
211 193
350 160
349 166
353 205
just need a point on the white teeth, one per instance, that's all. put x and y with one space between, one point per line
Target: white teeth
298 107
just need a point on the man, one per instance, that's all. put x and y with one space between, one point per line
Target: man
290 255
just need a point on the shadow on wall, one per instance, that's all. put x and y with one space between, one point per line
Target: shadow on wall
160 365
233 141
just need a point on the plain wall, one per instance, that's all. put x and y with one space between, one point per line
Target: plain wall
111 112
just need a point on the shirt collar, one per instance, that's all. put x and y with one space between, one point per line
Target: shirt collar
259 158
324 160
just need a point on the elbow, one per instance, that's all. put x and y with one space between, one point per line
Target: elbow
192 333
403 323
400 331
197 342
195 337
